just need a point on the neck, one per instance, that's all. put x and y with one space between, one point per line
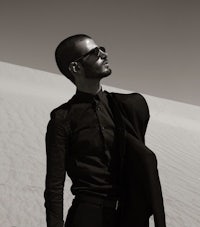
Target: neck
92 88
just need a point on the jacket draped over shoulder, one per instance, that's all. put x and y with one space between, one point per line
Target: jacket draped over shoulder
142 194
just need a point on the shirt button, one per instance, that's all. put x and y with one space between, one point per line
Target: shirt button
97 108
102 128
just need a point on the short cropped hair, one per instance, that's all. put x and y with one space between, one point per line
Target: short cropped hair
66 52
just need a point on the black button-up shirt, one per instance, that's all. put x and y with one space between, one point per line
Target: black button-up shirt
84 145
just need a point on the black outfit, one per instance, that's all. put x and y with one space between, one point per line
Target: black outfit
82 139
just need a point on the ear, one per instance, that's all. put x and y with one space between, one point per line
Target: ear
73 67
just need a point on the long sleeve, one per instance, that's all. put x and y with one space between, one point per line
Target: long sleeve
56 144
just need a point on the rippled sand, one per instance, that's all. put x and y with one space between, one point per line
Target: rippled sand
27 96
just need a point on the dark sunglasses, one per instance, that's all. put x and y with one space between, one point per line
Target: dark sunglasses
96 52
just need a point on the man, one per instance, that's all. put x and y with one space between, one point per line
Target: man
97 137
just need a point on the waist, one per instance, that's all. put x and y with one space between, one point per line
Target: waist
97 200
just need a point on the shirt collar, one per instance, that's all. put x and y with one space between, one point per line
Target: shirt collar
84 96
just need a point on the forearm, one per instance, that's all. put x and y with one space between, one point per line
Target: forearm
54 205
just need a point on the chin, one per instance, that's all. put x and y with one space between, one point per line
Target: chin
106 73
100 75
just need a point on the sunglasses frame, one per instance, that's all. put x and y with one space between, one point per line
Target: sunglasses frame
95 51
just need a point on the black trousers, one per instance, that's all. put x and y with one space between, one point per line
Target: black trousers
92 213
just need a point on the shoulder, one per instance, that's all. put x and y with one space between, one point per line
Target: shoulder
58 119
133 103
130 98
61 112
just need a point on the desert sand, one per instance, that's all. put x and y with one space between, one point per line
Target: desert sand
27 96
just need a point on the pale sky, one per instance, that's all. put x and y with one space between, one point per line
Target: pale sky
153 46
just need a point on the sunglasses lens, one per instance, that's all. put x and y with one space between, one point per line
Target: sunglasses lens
103 49
96 51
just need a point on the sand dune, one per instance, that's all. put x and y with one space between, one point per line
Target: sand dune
27 96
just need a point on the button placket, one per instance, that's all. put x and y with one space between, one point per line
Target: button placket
98 107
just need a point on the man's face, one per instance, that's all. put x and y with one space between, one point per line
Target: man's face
94 66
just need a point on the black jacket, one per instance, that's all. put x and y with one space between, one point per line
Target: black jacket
141 189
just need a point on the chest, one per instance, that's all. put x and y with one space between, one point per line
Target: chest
90 116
